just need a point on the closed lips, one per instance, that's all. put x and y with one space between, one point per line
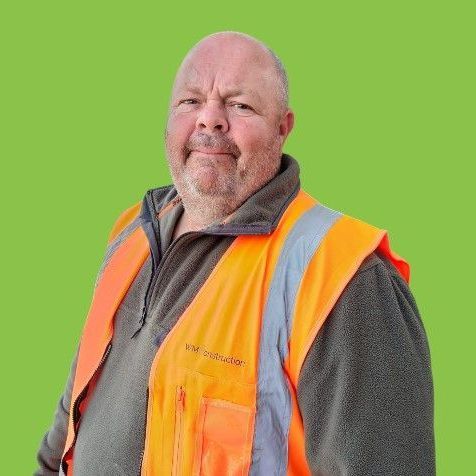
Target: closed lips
212 152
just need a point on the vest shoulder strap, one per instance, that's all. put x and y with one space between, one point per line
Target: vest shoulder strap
337 257
124 219
344 243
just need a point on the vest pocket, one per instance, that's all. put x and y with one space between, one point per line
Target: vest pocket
178 430
224 438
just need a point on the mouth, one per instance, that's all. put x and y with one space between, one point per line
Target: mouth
212 152
212 156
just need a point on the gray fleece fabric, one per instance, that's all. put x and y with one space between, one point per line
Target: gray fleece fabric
365 390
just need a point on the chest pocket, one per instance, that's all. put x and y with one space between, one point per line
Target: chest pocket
213 422
224 438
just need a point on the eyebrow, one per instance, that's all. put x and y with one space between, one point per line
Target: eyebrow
229 93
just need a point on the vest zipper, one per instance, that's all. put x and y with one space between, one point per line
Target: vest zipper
76 415
80 398
179 409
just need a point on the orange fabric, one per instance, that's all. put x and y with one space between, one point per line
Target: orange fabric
224 438
223 319
97 333
400 263
297 463
338 257
168 207
126 218
203 379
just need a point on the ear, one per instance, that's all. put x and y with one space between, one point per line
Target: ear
286 124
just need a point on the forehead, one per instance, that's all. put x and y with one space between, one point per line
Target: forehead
236 71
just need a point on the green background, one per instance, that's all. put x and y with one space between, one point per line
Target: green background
383 94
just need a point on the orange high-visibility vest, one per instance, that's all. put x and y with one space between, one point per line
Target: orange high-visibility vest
222 393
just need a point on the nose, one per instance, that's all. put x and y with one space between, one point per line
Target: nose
212 117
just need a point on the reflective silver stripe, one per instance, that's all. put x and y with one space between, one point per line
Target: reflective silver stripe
273 401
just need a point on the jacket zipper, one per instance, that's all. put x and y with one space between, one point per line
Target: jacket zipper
258 230
154 279
79 399
155 276
179 408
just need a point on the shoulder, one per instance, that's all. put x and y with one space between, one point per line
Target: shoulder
154 200
376 316
376 297
378 263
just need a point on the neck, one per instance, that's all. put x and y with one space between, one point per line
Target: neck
194 220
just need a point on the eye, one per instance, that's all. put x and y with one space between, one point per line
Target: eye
188 101
242 109
242 106
187 105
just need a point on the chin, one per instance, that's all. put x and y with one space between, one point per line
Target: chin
206 190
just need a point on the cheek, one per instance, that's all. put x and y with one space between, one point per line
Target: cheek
253 137
179 129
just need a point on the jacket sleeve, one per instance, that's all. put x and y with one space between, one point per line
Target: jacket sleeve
52 444
365 390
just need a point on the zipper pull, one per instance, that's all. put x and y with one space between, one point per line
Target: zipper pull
181 398
144 313
142 322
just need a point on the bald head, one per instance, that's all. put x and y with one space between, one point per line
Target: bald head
228 120
235 45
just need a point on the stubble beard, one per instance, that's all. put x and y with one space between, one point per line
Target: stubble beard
215 201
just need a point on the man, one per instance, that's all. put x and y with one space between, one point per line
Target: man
238 326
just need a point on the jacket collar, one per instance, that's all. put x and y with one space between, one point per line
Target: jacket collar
259 214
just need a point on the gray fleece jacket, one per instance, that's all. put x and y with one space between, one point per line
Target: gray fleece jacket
365 391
